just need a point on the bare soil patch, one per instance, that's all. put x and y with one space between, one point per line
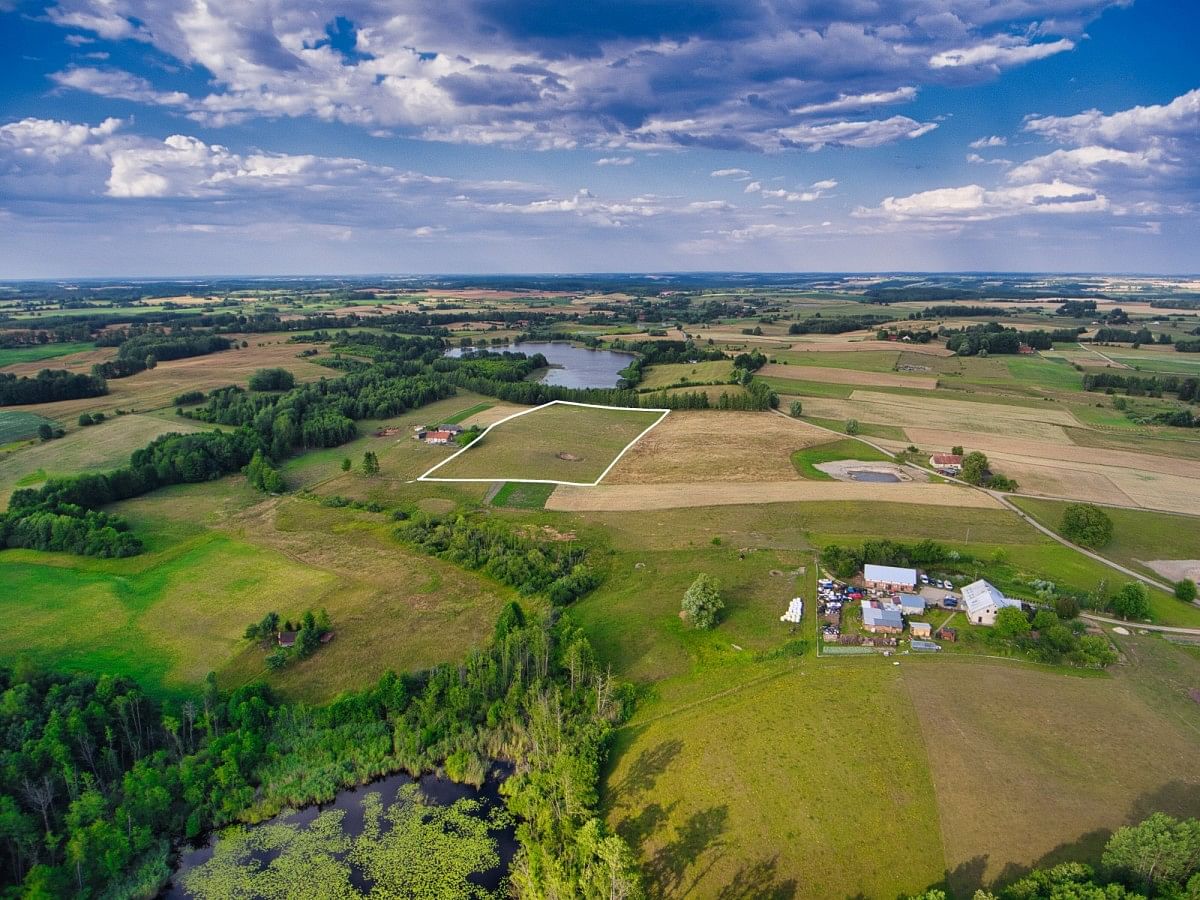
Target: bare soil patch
716 446
845 469
1175 569
629 497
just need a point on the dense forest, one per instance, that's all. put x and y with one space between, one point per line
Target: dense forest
48 386
99 783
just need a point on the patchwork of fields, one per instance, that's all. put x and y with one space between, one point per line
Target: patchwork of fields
751 767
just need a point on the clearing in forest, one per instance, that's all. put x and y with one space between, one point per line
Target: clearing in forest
557 443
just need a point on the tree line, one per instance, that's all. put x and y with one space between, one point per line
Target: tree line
835 324
1187 389
49 386
64 514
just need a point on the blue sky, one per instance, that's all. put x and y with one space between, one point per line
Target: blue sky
175 137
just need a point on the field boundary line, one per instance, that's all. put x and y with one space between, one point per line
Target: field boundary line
428 476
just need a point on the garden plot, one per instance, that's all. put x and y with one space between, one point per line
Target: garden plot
717 446
557 443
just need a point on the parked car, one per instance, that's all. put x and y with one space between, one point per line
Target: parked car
924 579
947 585
950 603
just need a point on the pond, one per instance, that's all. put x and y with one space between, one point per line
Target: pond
869 475
425 838
570 366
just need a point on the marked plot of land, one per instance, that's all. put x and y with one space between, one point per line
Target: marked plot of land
706 446
562 442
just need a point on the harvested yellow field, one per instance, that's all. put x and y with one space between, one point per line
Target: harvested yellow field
960 416
1077 482
610 497
847 376
157 387
827 343
716 446
1153 490
993 444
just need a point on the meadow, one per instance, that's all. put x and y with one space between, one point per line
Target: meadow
95 448
670 375
560 442
39 352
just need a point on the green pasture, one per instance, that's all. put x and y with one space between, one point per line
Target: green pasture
11 355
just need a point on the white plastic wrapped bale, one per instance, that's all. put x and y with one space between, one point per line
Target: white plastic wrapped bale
795 611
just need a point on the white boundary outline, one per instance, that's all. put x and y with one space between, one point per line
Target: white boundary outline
428 475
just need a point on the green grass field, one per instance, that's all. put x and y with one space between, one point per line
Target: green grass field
559 442
867 429
1138 535
717 371
807 460
220 556
802 781
10 355
863 360
92 449
522 495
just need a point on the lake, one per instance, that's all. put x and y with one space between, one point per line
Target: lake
349 840
570 366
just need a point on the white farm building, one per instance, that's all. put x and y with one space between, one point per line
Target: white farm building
983 600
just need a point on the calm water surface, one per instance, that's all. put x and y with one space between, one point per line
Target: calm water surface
571 366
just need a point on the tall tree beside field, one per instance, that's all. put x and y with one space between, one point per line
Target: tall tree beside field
796 410
974 468
1160 855
702 602
1086 525
370 463
1132 601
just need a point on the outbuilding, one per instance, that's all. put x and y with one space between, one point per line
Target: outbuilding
910 604
889 578
878 620
920 629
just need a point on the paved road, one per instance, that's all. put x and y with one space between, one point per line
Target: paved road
1062 540
1195 632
